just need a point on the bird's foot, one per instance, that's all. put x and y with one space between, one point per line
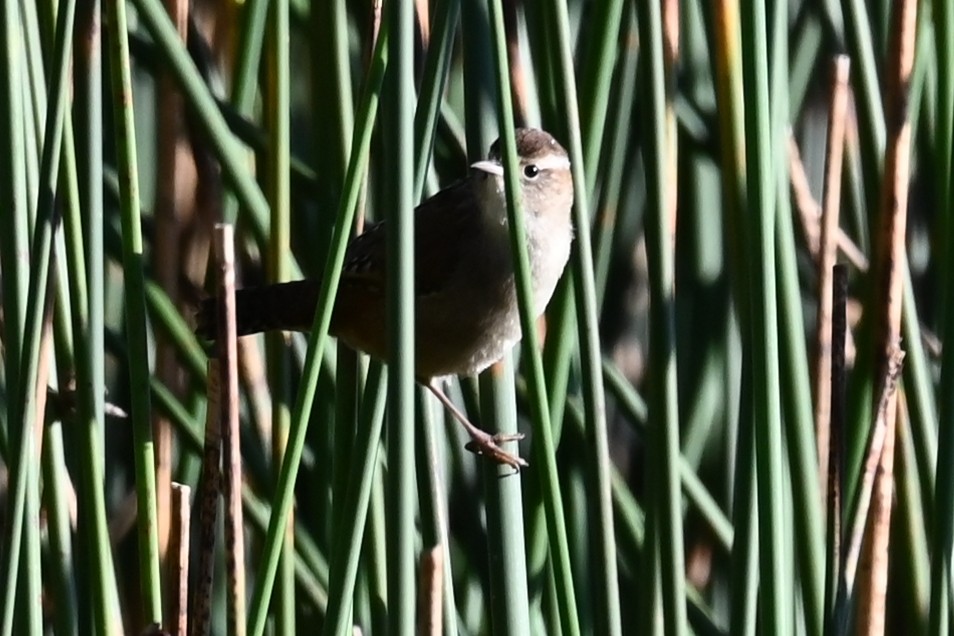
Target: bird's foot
482 443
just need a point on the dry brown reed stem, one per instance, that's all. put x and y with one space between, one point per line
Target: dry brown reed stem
886 397
181 516
227 352
431 586
805 203
174 205
827 253
889 277
872 568
208 503
836 447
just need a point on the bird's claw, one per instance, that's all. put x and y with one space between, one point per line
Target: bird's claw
489 446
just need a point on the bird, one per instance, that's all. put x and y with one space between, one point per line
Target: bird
466 316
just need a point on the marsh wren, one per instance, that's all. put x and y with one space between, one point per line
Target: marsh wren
465 312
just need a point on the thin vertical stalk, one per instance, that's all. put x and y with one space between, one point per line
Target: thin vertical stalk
594 401
806 527
858 34
332 76
13 252
660 239
596 78
921 402
88 87
94 559
331 59
910 545
57 490
55 479
249 51
433 83
399 303
347 548
258 609
431 581
872 124
207 500
616 162
727 71
744 570
740 463
278 192
181 516
509 602
31 595
433 489
134 283
889 278
174 171
13 237
870 141
834 477
545 458
827 256
23 410
227 422
776 606
943 545
865 572
478 76
943 136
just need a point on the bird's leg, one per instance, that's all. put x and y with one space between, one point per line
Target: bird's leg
482 442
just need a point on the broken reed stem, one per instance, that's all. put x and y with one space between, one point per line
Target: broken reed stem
208 500
836 447
181 514
227 351
827 254
174 208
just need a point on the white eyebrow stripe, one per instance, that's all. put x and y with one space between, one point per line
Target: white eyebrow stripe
553 162
490 167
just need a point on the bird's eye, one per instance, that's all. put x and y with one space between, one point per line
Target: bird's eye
531 171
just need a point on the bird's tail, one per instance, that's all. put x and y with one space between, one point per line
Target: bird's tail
282 306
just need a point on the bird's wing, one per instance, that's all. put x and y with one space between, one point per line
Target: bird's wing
438 222
365 264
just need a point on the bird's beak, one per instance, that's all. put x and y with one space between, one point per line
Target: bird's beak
490 167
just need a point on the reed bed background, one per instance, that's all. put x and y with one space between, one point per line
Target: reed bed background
735 406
